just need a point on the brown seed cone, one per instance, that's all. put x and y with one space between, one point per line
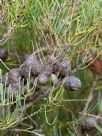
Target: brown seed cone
3 54
33 64
72 83
89 123
25 71
63 67
47 70
13 76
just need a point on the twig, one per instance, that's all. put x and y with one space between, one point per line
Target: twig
31 115
35 132
91 115
4 65
76 6
90 97
75 100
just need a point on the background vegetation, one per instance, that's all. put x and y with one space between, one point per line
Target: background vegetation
29 26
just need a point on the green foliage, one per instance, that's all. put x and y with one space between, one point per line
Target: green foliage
36 24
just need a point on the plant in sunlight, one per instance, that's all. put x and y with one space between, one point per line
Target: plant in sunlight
46 47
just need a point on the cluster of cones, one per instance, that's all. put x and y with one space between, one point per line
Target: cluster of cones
57 69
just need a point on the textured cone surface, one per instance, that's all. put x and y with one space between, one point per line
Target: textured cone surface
47 70
25 71
13 76
3 54
31 63
64 68
89 123
72 83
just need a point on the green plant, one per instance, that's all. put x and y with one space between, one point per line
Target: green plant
71 27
